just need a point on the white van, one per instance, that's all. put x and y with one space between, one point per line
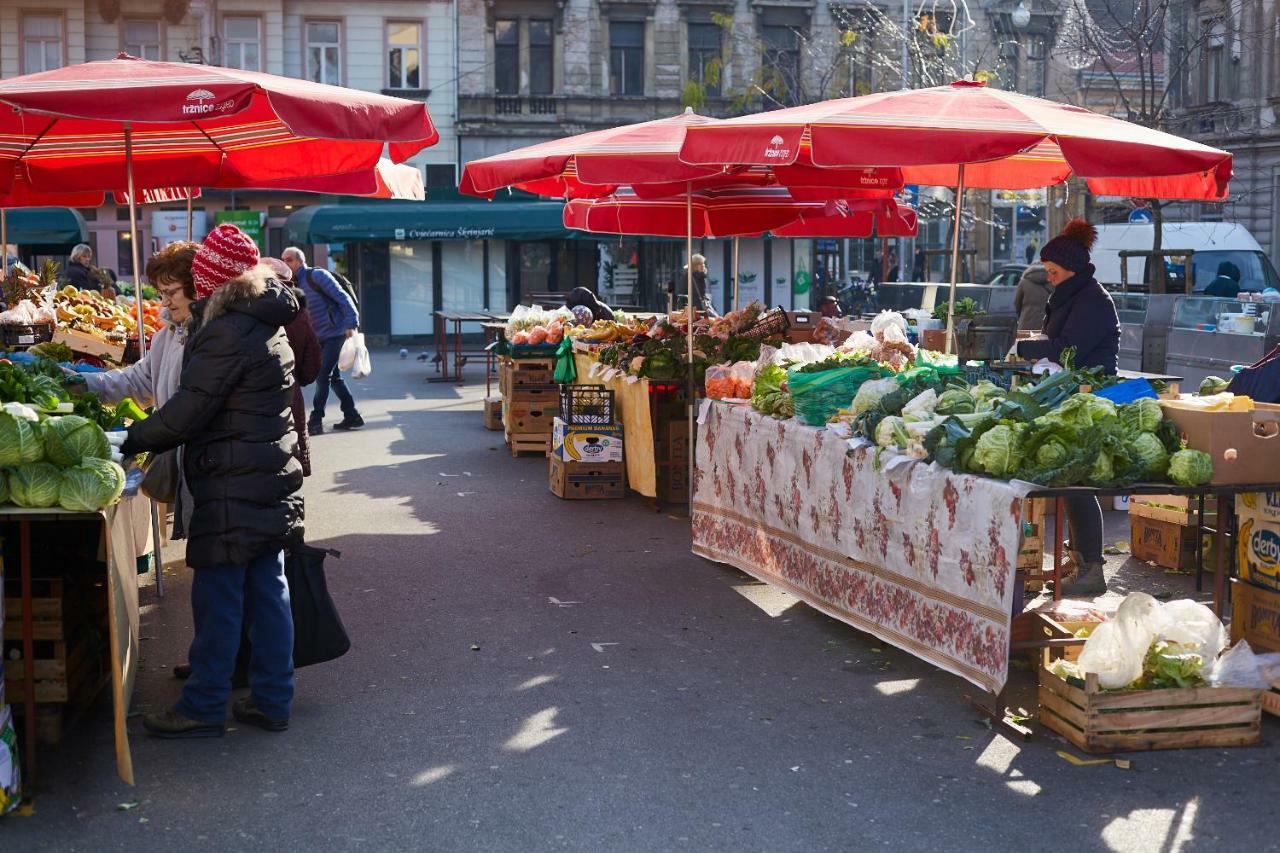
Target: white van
1213 243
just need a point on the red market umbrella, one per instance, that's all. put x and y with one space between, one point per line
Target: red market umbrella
387 180
969 136
133 123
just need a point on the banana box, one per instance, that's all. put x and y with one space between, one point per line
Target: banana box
1258 517
586 443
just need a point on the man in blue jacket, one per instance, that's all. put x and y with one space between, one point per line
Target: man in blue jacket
335 318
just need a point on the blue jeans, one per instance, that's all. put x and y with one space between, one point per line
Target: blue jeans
331 375
221 599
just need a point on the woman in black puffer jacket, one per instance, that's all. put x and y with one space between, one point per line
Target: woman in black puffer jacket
232 414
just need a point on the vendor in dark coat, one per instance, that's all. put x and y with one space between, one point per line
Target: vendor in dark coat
581 296
232 414
1227 283
1079 314
80 271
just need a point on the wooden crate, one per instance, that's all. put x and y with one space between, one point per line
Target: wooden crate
1165 543
1271 699
89 345
1031 545
1255 616
587 480
515 374
1126 720
63 670
58 606
493 412
523 442
1176 509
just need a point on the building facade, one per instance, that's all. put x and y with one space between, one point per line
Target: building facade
401 47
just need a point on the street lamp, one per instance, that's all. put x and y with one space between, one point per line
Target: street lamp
1021 15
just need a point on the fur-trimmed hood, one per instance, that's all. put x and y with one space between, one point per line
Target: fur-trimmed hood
257 293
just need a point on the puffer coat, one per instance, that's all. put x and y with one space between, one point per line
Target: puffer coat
232 413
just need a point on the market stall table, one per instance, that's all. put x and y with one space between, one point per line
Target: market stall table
441 327
126 535
920 556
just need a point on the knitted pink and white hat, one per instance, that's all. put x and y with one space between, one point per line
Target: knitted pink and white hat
225 254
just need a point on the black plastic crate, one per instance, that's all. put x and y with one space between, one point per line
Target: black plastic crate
586 405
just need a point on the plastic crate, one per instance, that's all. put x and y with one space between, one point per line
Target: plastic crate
586 405
772 322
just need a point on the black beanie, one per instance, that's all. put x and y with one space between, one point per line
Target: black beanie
1070 249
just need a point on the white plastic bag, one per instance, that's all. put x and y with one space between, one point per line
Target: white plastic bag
1116 649
363 365
1192 624
1238 668
347 355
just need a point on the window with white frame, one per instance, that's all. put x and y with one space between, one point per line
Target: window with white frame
404 55
142 38
1214 66
242 42
324 52
41 43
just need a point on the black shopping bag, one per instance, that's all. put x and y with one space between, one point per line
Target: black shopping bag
318 633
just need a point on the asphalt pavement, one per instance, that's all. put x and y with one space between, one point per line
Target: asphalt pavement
535 674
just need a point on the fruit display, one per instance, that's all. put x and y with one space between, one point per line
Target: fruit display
91 313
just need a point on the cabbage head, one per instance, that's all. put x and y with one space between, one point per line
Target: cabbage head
19 440
70 439
1190 468
1103 471
91 485
1149 451
955 402
1080 411
1142 415
997 452
986 390
870 392
34 484
1053 453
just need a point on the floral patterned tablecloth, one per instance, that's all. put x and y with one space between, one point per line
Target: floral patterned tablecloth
917 555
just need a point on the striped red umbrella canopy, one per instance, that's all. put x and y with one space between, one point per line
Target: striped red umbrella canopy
1002 140
645 156
213 127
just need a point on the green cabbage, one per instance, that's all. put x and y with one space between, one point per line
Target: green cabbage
1152 458
1080 411
1190 468
955 402
1103 470
19 440
1054 453
1142 415
870 392
70 439
997 452
91 485
34 484
1211 385
986 391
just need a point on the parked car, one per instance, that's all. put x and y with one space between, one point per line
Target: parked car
1212 242
1007 275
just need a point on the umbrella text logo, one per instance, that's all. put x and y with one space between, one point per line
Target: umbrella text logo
775 151
198 103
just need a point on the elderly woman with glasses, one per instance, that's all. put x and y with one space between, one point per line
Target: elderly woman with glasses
154 379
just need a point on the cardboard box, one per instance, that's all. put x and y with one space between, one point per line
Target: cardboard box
673 482
1258 538
586 444
801 326
1165 543
531 421
493 412
1255 616
1253 439
586 480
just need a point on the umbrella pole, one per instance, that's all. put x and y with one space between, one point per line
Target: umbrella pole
190 216
133 240
693 392
4 244
735 273
955 264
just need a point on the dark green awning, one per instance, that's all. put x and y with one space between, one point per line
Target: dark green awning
45 227
427 220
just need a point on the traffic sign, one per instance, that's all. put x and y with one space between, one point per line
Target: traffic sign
1141 214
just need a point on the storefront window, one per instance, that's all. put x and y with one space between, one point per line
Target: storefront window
412 302
462 273
498 275
1019 228
535 269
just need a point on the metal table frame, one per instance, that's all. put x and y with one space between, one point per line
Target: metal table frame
460 356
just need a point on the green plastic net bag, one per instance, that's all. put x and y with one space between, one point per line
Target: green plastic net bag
820 395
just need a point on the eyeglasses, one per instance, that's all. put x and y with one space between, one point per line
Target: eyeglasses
169 292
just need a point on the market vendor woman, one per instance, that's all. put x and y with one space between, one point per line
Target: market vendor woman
1079 315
